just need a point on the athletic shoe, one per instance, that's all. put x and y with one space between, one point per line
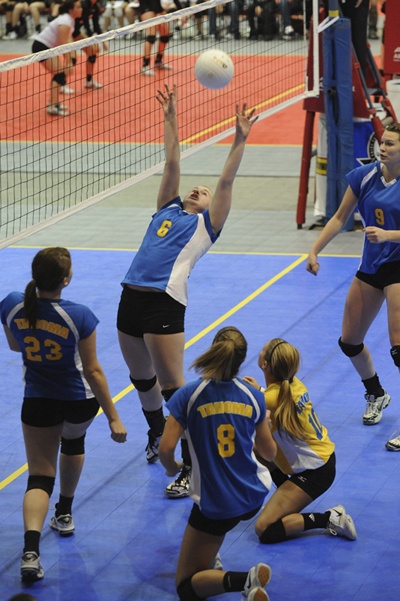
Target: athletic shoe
341 524
31 568
94 85
147 71
57 109
152 447
257 579
64 524
179 488
257 594
217 565
163 67
374 408
33 36
12 35
66 90
393 444
288 33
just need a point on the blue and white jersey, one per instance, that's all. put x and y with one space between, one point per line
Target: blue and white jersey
174 242
219 421
379 206
52 366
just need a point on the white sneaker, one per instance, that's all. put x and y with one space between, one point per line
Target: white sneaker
179 488
257 579
341 524
94 85
288 34
67 90
31 568
163 67
33 36
374 407
394 443
57 109
146 71
64 524
257 594
10 36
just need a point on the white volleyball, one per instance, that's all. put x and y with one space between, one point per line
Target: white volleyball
214 69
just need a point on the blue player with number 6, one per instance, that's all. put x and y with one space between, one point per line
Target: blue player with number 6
304 466
153 302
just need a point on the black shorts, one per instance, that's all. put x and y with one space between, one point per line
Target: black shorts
217 527
144 312
387 274
316 482
152 6
38 47
44 413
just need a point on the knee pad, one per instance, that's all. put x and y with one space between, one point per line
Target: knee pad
73 446
167 393
143 385
92 58
186 592
60 78
275 533
73 60
165 38
151 39
45 483
395 352
351 350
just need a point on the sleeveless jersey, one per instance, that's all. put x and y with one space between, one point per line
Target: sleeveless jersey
175 240
219 421
52 365
378 204
315 448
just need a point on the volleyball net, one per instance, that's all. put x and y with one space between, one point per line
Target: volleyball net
52 166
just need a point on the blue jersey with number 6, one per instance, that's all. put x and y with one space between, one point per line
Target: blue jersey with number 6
52 366
219 420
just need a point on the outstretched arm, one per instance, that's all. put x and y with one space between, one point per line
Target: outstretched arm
222 199
169 187
332 229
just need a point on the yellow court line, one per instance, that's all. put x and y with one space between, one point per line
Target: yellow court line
189 343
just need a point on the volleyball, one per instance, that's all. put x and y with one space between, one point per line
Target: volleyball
214 69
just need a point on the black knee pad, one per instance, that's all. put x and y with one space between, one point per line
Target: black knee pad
92 58
186 592
73 446
60 78
165 38
275 533
351 350
395 352
144 385
45 483
167 393
73 60
151 39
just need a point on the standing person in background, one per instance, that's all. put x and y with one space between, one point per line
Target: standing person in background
149 9
304 466
153 302
64 386
375 190
57 33
222 417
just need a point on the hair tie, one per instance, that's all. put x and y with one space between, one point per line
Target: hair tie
285 379
275 347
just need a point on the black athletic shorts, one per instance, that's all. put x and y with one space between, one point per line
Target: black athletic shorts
388 273
217 527
316 482
145 312
44 413
39 47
